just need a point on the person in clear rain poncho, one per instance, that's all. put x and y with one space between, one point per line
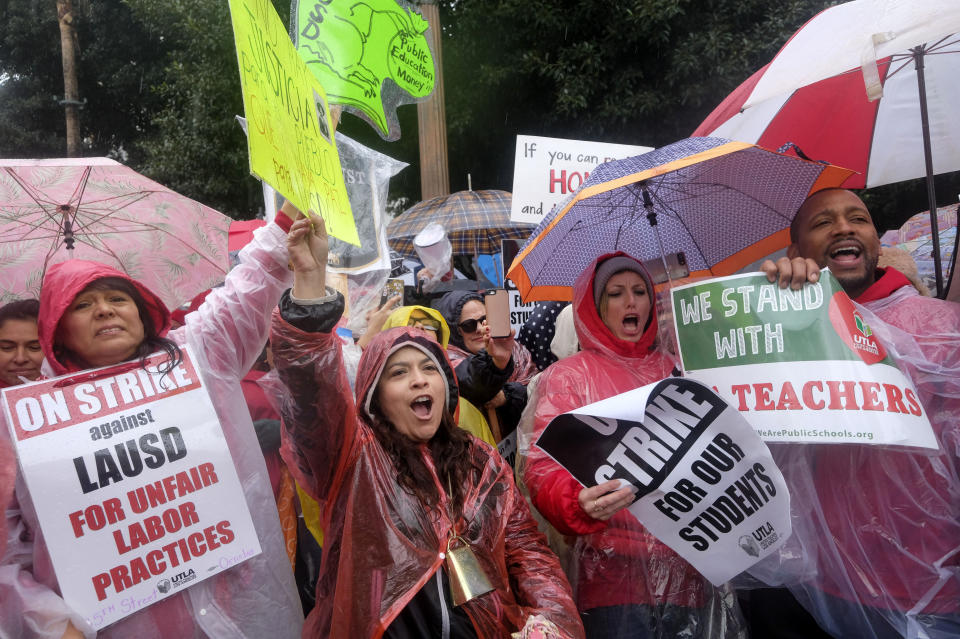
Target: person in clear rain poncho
402 491
879 525
92 315
627 584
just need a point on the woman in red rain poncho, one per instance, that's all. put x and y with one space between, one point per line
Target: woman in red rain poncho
92 315
627 584
397 482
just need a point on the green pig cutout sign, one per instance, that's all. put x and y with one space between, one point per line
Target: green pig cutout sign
370 55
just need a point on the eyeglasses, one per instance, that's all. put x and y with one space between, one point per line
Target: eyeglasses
470 325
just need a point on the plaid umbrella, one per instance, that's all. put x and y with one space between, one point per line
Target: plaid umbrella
475 222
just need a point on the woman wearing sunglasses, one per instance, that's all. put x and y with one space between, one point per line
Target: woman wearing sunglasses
492 372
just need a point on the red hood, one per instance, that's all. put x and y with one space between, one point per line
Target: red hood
593 333
890 280
383 345
63 282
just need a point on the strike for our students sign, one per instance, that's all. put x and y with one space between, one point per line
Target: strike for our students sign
802 366
705 484
132 482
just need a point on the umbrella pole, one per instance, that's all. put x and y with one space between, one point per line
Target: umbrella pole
665 335
652 218
928 160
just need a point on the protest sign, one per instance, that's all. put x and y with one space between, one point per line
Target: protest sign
353 47
520 311
366 174
546 171
704 482
802 366
133 485
289 132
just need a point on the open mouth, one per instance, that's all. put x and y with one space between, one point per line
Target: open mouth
845 253
422 406
110 330
631 323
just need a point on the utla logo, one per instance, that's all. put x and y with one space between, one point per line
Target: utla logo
853 330
184 578
862 326
765 535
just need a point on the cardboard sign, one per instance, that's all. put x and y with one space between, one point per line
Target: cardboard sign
547 171
133 484
354 47
705 484
289 132
802 366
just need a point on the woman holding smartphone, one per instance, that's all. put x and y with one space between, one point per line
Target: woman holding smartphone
493 371
628 584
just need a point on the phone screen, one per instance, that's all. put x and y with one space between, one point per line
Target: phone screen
497 304
392 288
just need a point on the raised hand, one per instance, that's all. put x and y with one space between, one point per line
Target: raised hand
308 246
500 349
375 320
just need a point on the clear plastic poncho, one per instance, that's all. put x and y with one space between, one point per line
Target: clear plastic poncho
625 581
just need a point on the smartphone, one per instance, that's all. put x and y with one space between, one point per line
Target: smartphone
392 288
497 304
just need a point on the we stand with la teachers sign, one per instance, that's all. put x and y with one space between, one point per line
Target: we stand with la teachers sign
801 366
133 484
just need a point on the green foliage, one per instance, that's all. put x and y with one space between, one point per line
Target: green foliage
115 68
195 144
162 88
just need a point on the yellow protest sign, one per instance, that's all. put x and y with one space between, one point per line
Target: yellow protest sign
289 134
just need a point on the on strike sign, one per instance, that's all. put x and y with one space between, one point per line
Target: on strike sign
704 482
133 484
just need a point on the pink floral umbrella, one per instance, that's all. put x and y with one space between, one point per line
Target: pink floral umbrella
97 209
916 238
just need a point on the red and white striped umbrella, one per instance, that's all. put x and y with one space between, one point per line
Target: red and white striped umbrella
846 89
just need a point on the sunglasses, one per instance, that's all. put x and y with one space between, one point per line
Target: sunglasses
470 325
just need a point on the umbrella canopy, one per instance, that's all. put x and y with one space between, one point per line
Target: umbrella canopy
97 209
916 238
722 204
475 222
870 85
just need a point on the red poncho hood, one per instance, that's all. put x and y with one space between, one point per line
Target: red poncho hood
62 283
592 332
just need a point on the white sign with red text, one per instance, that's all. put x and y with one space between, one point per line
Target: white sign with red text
133 484
546 171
